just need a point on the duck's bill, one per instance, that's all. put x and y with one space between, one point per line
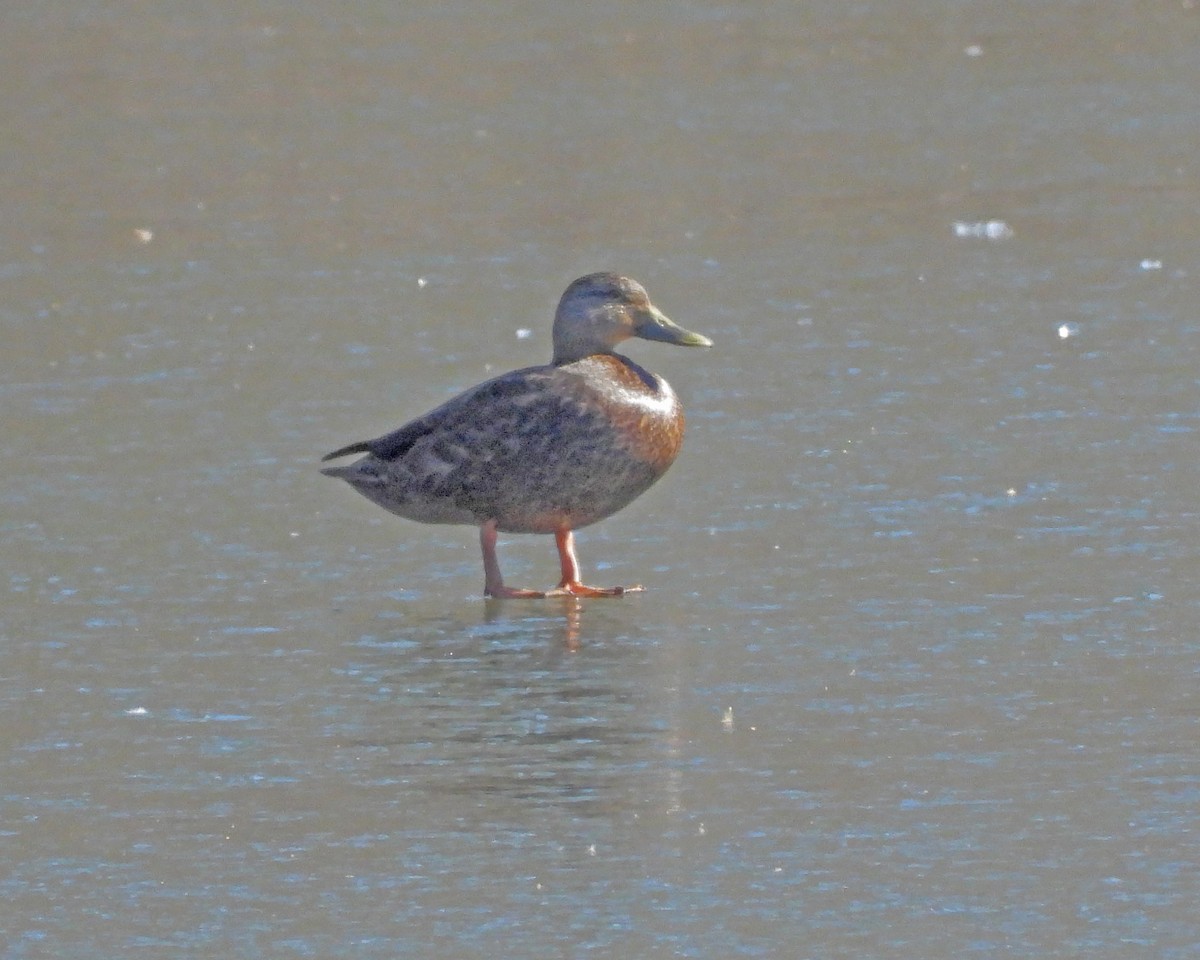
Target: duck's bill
656 325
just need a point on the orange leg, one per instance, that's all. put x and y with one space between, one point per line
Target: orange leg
493 583
569 585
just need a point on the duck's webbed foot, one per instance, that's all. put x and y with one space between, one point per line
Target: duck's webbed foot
573 588
570 585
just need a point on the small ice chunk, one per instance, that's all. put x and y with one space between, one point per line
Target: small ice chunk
1149 264
983 229
1066 330
524 333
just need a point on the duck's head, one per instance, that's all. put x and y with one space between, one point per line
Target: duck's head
600 310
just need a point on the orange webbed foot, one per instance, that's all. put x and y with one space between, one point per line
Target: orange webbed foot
573 588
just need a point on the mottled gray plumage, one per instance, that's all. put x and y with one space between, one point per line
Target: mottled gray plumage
544 449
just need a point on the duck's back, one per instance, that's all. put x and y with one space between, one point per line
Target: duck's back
537 450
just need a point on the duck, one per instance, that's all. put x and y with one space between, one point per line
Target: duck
545 449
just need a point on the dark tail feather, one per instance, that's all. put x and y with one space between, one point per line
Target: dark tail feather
362 446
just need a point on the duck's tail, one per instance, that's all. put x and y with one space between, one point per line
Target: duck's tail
363 446
346 471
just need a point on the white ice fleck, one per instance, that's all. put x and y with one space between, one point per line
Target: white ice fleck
1066 330
983 229
524 333
1149 264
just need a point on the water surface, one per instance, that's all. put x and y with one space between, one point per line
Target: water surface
915 670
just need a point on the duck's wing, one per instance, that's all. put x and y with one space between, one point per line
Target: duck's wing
494 400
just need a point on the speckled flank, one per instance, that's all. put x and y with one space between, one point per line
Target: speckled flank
536 449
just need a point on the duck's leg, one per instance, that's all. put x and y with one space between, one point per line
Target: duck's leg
569 585
493 583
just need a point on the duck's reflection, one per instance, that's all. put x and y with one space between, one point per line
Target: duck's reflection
561 702
571 620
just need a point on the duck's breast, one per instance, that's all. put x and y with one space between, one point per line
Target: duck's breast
642 415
